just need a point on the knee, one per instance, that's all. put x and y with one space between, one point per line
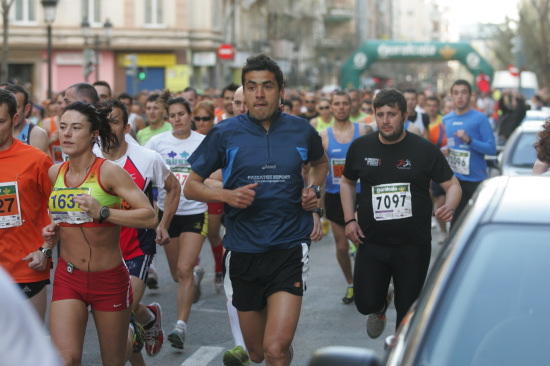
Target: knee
342 249
184 273
276 350
368 305
71 360
256 357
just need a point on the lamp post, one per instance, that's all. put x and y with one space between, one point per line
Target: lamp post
97 43
49 17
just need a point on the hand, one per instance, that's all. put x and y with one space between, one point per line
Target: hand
49 233
309 199
241 197
317 232
37 260
354 233
89 205
461 134
162 237
444 213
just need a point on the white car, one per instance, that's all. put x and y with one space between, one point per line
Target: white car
519 155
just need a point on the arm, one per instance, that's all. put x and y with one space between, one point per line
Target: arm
540 167
118 181
318 171
215 179
453 193
173 192
486 145
347 197
39 139
196 189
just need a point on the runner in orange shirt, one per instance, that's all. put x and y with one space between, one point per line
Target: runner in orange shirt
24 191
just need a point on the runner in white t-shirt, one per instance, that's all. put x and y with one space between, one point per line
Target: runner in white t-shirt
138 246
188 228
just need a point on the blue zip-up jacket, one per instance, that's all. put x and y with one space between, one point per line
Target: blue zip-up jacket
477 126
247 153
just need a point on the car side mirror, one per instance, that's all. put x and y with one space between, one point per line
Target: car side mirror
344 356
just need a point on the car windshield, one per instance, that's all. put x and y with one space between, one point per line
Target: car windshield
524 153
495 308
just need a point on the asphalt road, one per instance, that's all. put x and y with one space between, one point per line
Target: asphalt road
324 320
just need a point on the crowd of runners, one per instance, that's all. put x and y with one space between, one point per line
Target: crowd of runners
89 192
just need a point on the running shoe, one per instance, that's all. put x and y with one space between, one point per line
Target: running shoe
177 338
348 298
376 323
218 282
236 356
152 278
198 274
138 337
154 336
389 296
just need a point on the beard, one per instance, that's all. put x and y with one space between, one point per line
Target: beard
394 136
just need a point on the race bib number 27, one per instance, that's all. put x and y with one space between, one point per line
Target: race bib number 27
391 201
10 211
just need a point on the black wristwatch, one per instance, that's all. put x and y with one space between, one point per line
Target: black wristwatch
104 213
316 189
319 211
47 251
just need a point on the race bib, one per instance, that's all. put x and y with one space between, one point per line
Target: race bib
181 174
391 201
459 160
10 209
337 169
63 208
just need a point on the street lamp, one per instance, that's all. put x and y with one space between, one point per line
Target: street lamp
97 42
49 17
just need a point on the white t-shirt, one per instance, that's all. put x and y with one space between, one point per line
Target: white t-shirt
175 153
145 166
24 341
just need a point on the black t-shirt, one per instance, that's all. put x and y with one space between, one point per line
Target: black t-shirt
395 183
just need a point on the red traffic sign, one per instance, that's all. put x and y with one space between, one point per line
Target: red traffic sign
514 71
226 52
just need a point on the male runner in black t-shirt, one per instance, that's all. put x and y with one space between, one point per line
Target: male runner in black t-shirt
394 210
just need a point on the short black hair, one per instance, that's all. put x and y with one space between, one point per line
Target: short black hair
85 90
392 98
179 100
231 87
105 84
116 103
14 88
410 91
7 98
263 62
462 82
125 96
340 93
433 98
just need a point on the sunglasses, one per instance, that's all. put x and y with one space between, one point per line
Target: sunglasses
310 101
323 108
203 119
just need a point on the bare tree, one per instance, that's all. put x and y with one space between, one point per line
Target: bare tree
5 8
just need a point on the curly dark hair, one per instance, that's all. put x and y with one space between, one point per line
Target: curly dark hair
543 143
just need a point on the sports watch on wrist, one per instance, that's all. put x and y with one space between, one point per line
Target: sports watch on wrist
316 189
319 211
104 213
47 251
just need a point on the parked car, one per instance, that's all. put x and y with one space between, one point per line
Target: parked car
519 155
486 299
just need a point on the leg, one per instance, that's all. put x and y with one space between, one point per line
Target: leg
253 325
342 251
214 226
283 313
468 190
190 245
372 278
138 286
172 251
68 320
112 331
39 302
410 267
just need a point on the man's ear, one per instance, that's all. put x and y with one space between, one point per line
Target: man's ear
27 110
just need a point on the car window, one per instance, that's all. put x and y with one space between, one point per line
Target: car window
524 153
495 307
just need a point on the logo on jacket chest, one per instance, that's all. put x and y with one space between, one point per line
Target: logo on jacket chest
373 162
404 164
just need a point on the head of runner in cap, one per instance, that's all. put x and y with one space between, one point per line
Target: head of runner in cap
390 111
97 120
8 113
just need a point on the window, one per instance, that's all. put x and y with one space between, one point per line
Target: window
24 11
153 12
91 11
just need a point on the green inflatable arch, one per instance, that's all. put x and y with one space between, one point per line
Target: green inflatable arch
379 51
